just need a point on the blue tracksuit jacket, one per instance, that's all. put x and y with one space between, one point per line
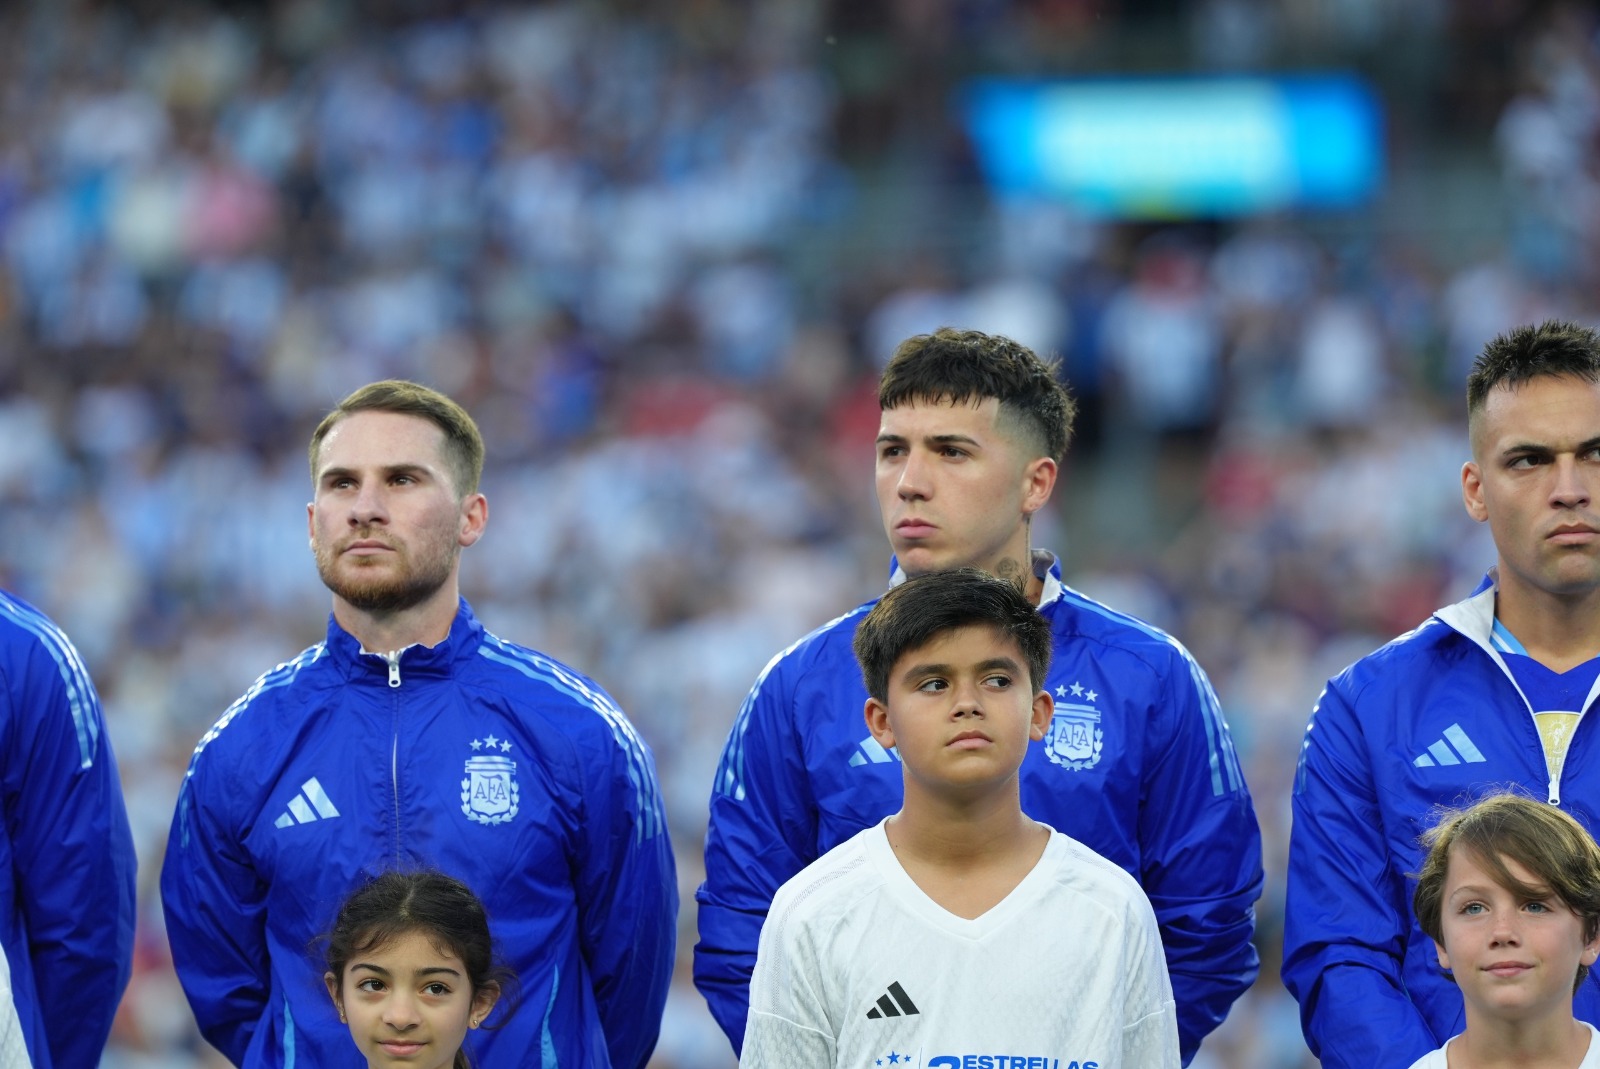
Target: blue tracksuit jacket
485 760
1433 718
1138 765
66 854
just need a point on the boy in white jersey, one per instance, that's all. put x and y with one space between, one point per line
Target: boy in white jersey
1510 895
958 933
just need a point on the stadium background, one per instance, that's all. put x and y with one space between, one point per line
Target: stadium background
660 251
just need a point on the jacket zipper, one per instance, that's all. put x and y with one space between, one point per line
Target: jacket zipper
1552 776
393 657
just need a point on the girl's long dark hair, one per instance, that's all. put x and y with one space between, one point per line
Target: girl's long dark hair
439 906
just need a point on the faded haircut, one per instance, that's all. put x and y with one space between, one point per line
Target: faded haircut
959 366
1553 348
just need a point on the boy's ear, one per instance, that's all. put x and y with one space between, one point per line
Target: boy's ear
1444 959
332 983
877 714
1044 707
1591 950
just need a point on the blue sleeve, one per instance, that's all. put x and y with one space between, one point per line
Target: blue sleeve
1346 917
627 887
215 906
763 830
75 863
1201 856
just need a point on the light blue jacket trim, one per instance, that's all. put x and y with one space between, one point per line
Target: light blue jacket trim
288 1036
652 814
74 676
547 1041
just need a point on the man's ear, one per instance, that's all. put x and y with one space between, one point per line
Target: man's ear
877 715
1039 479
1044 708
1472 491
474 518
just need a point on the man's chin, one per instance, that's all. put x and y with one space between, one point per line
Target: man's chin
380 595
919 560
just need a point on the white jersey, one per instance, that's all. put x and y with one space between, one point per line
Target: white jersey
13 1052
859 969
1436 1059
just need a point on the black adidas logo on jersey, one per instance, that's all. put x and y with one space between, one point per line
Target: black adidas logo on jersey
894 1004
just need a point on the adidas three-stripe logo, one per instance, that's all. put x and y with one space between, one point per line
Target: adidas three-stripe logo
869 751
312 803
894 1004
1453 749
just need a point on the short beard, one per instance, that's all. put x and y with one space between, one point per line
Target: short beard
385 595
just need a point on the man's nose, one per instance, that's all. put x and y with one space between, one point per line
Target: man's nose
914 477
369 506
1571 489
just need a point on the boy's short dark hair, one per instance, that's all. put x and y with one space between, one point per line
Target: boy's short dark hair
463 445
958 366
1538 836
925 607
1553 348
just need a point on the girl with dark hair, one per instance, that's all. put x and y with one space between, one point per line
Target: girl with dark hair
411 969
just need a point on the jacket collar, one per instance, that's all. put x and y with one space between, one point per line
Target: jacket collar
466 634
1474 617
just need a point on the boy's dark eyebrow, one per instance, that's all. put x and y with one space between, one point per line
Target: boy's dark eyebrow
993 663
989 665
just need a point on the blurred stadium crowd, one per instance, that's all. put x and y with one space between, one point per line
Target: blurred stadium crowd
660 252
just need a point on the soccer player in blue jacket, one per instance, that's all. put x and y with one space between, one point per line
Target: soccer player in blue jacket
66 854
1492 691
412 738
1137 764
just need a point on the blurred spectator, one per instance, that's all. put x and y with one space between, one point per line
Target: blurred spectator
660 249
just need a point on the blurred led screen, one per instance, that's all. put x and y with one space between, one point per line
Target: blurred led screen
1174 148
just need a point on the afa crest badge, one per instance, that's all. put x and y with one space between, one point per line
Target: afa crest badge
489 794
1075 738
